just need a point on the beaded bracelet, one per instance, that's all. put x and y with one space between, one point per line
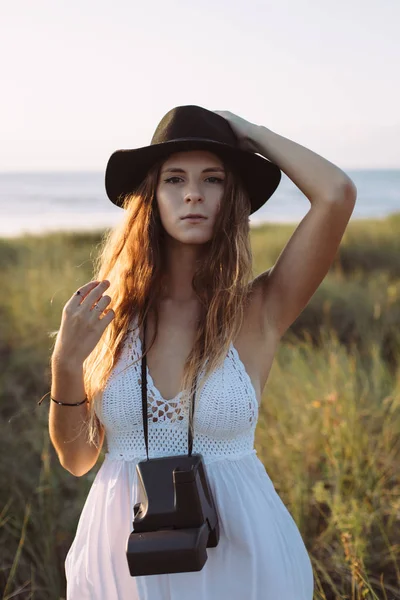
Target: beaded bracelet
68 403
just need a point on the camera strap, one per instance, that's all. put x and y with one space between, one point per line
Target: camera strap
144 402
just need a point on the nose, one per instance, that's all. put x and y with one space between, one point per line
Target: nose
193 196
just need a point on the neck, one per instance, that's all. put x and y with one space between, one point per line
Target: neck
181 261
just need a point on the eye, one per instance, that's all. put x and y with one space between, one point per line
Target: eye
217 179
170 179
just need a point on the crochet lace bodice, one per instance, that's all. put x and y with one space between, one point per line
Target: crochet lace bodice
225 416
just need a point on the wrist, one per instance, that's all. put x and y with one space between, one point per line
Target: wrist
261 137
65 364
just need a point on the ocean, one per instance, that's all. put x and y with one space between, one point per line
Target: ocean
39 202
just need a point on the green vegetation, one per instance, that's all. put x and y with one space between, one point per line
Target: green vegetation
329 427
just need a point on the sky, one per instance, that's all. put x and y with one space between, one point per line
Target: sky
83 78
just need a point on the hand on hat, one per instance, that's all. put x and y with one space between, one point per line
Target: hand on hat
243 129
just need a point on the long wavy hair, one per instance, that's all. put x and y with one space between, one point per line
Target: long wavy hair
131 257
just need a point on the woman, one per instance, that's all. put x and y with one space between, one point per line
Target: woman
189 281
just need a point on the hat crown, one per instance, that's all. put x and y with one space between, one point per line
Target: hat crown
194 122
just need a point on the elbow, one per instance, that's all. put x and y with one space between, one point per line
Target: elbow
346 191
77 472
79 460
350 191
77 469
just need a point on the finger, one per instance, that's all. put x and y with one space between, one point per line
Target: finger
81 293
95 294
108 317
101 305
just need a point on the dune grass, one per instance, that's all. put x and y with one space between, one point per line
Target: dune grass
328 432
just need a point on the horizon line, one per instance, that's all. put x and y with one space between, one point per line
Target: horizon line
69 170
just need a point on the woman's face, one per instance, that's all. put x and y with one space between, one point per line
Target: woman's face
190 182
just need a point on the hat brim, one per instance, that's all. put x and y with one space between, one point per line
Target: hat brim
126 169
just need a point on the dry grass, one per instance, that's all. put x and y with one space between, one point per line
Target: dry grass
329 428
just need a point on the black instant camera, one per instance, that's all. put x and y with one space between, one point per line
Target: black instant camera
176 520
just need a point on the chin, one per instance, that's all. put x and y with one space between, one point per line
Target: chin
194 237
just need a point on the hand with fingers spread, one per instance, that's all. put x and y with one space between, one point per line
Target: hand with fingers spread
84 318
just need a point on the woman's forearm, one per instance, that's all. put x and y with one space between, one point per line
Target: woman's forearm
67 423
316 177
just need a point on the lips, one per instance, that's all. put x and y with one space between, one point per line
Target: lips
194 217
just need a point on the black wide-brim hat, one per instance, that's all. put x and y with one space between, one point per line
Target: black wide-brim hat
192 128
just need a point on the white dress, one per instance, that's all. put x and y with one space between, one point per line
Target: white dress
260 554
